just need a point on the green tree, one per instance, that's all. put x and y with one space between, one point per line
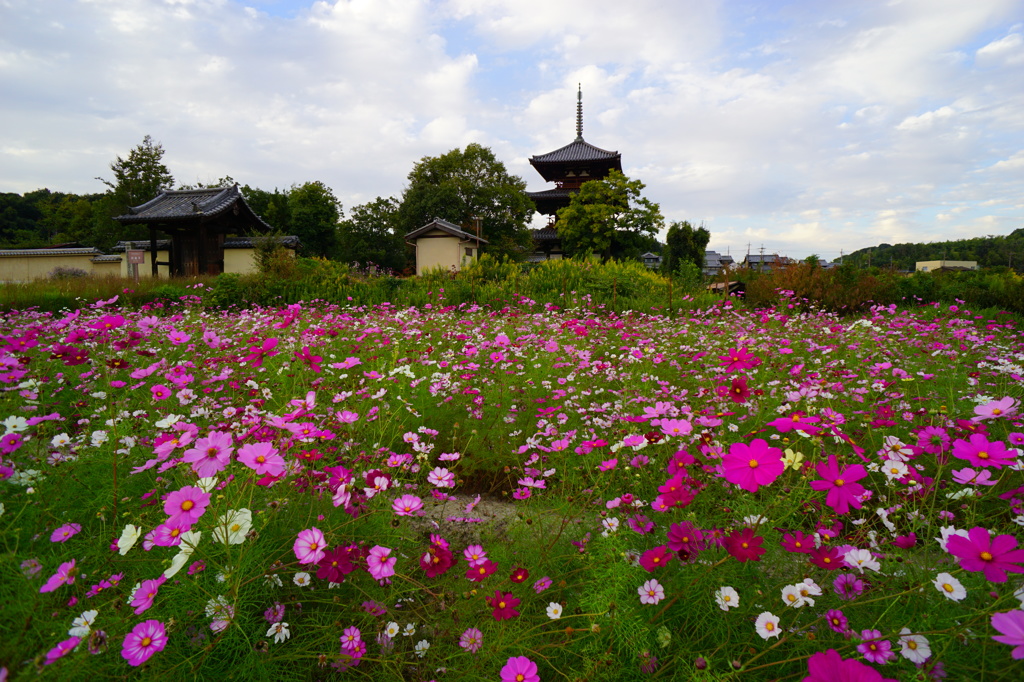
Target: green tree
315 213
464 184
273 207
370 235
608 217
685 244
141 175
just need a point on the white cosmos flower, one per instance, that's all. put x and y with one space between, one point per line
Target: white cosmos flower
189 541
950 587
279 631
129 536
791 596
727 598
767 625
421 648
914 648
392 629
177 563
206 484
169 421
82 626
233 527
554 610
301 579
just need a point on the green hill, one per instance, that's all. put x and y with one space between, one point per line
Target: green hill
990 251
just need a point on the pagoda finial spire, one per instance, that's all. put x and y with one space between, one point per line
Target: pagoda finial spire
579 112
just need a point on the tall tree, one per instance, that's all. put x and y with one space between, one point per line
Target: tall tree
369 235
464 184
141 175
685 244
271 206
609 218
315 213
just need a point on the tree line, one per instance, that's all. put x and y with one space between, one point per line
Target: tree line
989 252
607 218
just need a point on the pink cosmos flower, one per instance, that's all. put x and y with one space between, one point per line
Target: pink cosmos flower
980 552
655 558
380 564
263 458
967 476
542 584
441 477
744 546
310 546
843 489
185 507
676 427
65 532
407 505
471 640
61 650
519 669
995 409
739 359
211 454
65 575
160 392
754 465
874 648
145 639
651 592
147 591
474 554
169 534
258 353
979 452
1011 624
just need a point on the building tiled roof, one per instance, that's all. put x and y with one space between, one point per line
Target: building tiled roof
187 205
545 234
445 226
577 150
290 241
105 259
49 252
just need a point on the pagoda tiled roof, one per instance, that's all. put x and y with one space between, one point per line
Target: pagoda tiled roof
545 234
577 150
556 193
189 205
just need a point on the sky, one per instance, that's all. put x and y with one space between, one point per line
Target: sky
799 128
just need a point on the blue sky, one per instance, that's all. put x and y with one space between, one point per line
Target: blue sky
803 127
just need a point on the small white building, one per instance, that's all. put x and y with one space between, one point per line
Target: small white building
440 243
945 265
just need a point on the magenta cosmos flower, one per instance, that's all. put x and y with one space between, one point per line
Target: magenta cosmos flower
750 466
519 669
261 458
504 605
980 552
829 666
380 563
65 575
1011 624
143 641
874 648
185 506
310 546
744 546
211 454
65 532
841 484
62 650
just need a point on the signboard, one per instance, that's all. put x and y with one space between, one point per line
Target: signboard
136 256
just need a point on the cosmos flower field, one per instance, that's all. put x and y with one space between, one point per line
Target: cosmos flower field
530 493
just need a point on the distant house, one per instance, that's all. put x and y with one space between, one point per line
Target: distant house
25 265
946 265
239 255
764 262
440 243
651 260
715 262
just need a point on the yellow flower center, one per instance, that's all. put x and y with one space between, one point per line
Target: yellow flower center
912 645
146 641
986 556
839 481
753 463
982 455
769 626
187 504
261 459
947 587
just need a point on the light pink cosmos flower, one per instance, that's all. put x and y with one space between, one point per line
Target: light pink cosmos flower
380 564
676 427
145 639
651 592
65 532
441 477
263 458
968 476
186 506
1011 625
310 546
211 454
1005 407
407 505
